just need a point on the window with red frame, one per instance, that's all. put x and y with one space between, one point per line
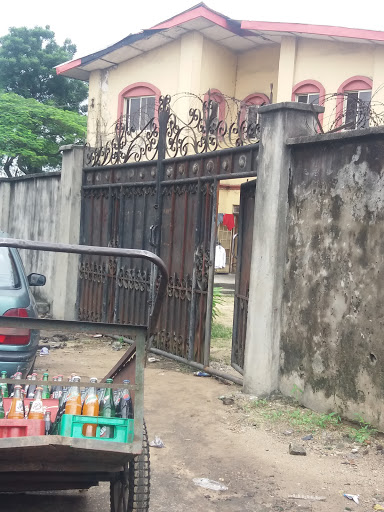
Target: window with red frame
137 105
250 108
353 105
139 111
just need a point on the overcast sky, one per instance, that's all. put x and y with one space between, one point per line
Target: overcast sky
95 25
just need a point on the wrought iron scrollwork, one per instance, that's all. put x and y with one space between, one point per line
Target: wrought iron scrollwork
201 133
133 279
202 263
180 288
127 145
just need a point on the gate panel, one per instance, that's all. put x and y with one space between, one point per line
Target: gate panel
185 241
157 190
117 211
243 271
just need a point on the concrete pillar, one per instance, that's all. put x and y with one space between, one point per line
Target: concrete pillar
66 270
286 69
5 193
278 122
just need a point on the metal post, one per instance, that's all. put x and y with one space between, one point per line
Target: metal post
211 276
163 116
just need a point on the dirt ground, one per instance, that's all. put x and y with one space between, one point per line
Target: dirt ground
205 439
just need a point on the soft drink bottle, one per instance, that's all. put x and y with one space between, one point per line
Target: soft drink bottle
16 412
125 406
47 421
46 392
59 388
2 412
73 402
32 387
3 385
107 410
90 408
16 376
36 411
53 388
27 386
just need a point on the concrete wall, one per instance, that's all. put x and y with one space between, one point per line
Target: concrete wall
47 208
333 303
32 212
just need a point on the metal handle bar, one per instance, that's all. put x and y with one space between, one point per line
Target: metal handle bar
100 251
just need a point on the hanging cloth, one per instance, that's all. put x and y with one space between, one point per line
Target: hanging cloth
220 217
229 221
220 256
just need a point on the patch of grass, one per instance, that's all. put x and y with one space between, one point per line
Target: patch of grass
302 419
364 432
221 331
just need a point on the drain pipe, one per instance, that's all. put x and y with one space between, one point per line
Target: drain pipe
198 366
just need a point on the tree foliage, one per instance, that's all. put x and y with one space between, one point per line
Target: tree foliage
32 132
27 61
39 110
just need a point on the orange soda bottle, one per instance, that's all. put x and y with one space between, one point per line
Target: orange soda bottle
73 402
36 411
90 408
16 412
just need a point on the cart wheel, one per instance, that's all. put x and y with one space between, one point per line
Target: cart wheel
130 492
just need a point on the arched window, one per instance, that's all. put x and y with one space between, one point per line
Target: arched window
354 102
249 107
214 101
137 104
310 92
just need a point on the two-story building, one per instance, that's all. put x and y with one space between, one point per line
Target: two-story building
200 53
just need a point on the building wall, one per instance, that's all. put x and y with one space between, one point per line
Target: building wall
218 69
331 64
159 67
333 304
257 70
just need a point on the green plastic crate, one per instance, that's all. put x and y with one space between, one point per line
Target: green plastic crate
72 426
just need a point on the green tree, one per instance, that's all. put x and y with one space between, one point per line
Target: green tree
32 132
27 61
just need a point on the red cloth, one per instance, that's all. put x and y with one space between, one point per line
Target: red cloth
229 221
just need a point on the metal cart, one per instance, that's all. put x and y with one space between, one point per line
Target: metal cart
55 462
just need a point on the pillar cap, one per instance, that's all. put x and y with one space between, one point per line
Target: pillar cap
69 147
291 105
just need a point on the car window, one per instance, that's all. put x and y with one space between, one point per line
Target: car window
9 276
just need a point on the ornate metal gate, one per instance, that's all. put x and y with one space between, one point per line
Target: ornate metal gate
243 271
157 190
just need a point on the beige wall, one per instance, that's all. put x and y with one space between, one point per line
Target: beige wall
159 67
257 70
331 64
194 64
218 69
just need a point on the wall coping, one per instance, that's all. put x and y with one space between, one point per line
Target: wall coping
291 105
69 147
340 136
31 176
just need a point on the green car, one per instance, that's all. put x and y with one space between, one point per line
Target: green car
17 346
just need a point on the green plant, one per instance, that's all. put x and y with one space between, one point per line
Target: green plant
362 434
221 331
296 392
217 300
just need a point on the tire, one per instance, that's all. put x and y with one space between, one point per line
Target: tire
131 490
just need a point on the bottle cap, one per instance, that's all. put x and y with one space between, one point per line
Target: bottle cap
109 381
